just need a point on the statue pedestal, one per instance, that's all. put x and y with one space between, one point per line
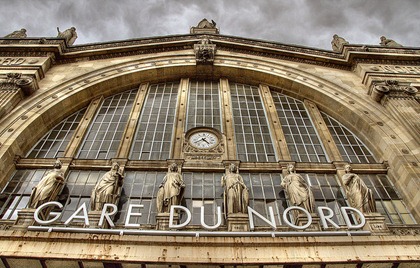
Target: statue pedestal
302 219
94 217
162 220
238 222
375 223
25 218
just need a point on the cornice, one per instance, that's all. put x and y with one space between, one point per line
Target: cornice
347 58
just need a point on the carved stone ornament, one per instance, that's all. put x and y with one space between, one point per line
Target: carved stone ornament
393 89
203 143
15 81
204 52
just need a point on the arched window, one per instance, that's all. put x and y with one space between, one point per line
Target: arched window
147 129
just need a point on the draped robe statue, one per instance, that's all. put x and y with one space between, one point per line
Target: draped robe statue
170 190
107 188
70 35
385 42
358 194
17 34
48 188
338 42
298 190
236 194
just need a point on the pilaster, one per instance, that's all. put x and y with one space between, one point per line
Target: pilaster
228 126
181 114
277 134
323 132
129 131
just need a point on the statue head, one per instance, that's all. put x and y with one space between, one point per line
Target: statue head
347 168
23 30
290 168
233 168
173 167
383 38
57 164
73 29
115 166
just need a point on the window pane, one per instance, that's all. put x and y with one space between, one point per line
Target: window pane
106 130
154 131
251 128
351 147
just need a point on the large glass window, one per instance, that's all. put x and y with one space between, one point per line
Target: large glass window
351 147
301 136
106 130
154 129
253 140
203 105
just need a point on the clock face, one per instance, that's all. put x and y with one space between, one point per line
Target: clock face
203 140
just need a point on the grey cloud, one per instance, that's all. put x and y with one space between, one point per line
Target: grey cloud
303 22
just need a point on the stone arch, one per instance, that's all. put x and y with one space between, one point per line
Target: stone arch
34 116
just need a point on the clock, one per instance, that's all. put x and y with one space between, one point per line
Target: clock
203 140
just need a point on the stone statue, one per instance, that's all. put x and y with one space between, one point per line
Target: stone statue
107 188
48 188
17 34
298 190
170 190
70 35
204 23
236 194
358 194
388 42
338 42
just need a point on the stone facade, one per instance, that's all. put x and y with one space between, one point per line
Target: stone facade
352 85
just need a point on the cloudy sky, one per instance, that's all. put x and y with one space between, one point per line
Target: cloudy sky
302 22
